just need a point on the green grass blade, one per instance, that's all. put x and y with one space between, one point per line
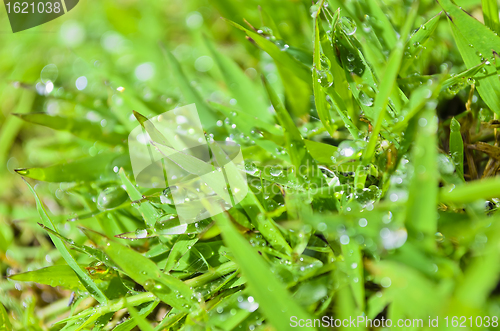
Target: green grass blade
140 319
386 87
339 106
461 78
295 145
274 300
86 169
417 41
81 274
132 323
181 247
421 215
167 288
319 94
78 127
417 101
490 14
481 276
148 212
476 44
282 58
295 76
382 25
486 188
58 275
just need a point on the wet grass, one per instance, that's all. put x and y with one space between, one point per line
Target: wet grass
369 133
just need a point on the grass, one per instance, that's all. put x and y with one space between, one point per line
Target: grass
369 134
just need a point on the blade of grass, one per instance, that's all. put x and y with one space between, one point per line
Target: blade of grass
181 247
486 188
167 288
81 274
417 41
421 214
319 94
132 322
86 169
140 319
295 76
386 87
273 298
78 127
481 276
490 14
58 275
295 145
476 44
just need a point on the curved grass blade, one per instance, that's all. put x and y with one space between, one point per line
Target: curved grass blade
273 298
167 288
416 42
111 307
78 127
476 44
461 78
81 274
90 251
86 169
58 275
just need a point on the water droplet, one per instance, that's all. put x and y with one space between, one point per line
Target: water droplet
365 99
141 233
111 197
49 73
276 172
325 78
325 62
347 25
